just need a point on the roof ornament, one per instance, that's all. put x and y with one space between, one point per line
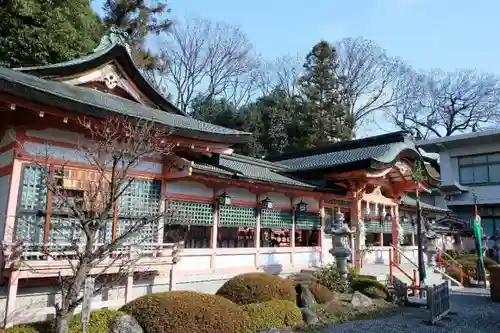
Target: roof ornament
114 36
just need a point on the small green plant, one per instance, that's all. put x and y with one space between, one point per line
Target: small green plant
273 314
330 278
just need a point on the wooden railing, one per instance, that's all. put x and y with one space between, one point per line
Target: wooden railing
447 261
394 265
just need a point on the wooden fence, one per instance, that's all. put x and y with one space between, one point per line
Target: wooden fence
438 302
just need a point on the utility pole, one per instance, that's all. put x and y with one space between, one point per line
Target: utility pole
418 176
478 234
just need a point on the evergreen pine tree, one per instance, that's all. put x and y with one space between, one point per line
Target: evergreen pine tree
40 32
323 115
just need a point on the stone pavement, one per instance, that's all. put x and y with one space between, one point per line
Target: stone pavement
474 312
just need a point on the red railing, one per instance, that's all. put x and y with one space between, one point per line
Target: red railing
393 264
447 261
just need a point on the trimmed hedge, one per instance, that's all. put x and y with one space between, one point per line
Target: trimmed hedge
256 288
273 314
370 288
99 323
188 311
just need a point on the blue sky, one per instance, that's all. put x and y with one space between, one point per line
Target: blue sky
443 34
426 34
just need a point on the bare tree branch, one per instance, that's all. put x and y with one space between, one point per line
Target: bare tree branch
439 104
282 74
368 75
209 58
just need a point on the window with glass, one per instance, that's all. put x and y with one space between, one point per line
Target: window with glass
479 169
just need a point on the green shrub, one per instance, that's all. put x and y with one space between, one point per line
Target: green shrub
257 287
368 286
330 278
321 293
22 329
273 314
99 323
188 311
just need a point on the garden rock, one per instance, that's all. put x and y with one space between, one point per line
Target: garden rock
359 300
125 324
306 298
275 330
309 317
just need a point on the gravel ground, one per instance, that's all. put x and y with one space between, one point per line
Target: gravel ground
473 312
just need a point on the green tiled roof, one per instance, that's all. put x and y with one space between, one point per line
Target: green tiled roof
93 102
252 169
113 46
408 201
381 149
335 158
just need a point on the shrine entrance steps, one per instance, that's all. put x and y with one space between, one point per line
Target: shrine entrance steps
381 272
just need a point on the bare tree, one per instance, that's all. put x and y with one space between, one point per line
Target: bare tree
282 73
211 59
368 75
439 104
90 199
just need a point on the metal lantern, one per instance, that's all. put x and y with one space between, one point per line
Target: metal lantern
266 203
404 219
224 199
388 217
302 206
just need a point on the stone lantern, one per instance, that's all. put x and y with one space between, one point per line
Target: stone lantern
340 245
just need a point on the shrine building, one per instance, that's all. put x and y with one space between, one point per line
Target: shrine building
248 214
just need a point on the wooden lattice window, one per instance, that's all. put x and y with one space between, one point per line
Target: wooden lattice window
307 220
30 219
373 226
407 228
276 219
179 212
237 216
387 227
140 200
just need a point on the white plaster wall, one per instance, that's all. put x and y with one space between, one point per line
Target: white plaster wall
4 196
45 151
277 198
240 194
189 188
57 135
236 260
312 258
6 158
193 262
266 259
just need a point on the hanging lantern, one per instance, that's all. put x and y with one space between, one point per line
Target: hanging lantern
224 199
302 206
266 203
